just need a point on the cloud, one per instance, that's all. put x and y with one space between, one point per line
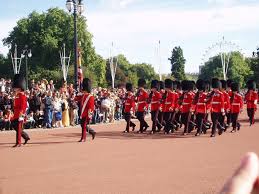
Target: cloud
6 28
116 4
137 32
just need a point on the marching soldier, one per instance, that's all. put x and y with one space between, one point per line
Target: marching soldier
176 118
216 99
201 107
129 107
20 105
155 97
236 106
142 105
186 105
229 91
226 104
251 99
168 107
86 100
161 112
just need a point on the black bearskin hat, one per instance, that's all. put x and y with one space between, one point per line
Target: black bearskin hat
191 85
185 85
19 82
87 85
235 87
207 85
178 85
168 83
223 84
200 85
141 83
229 83
215 83
155 84
129 87
251 85
162 85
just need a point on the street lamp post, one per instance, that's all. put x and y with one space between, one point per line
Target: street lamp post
26 53
78 8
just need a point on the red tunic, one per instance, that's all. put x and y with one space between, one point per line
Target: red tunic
142 100
163 93
187 102
129 104
251 99
156 101
237 103
217 102
89 108
226 101
169 102
201 106
20 105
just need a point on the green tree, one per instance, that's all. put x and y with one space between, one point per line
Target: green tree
178 64
46 32
239 69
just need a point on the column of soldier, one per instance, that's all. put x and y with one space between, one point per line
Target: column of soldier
199 106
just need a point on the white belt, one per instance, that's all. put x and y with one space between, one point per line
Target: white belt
235 104
215 103
201 104
142 102
154 102
127 103
168 103
186 103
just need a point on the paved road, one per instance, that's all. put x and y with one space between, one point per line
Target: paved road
54 162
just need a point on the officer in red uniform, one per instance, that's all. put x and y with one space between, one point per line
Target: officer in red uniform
20 105
226 104
229 91
161 112
216 99
201 107
186 105
142 105
155 98
251 99
86 100
176 118
129 107
168 106
236 106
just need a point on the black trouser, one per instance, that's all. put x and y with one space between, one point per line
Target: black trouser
234 119
161 117
85 128
200 117
155 121
168 121
127 117
185 119
222 120
228 118
215 121
15 125
6 125
141 118
177 119
251 114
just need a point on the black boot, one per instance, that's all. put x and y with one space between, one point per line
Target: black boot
26 141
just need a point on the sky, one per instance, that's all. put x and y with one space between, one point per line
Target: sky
136 26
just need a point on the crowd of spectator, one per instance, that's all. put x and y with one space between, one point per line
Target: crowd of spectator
51 107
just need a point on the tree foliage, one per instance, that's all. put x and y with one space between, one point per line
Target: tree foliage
178 64
239 68
45 33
